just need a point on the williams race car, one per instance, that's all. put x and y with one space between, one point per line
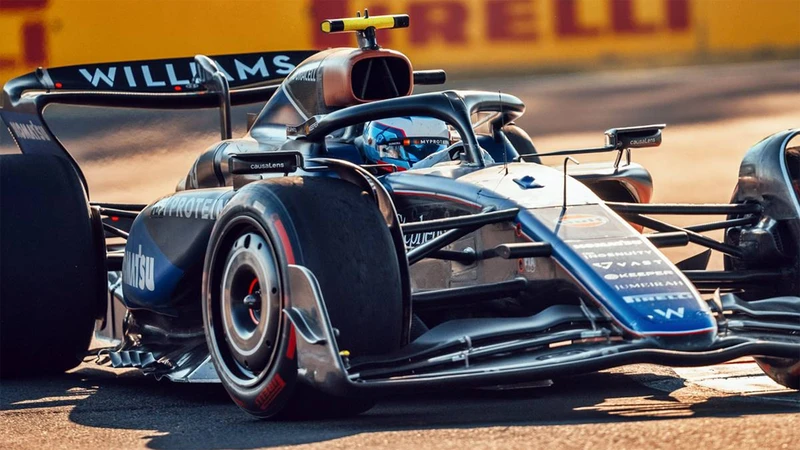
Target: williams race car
361 240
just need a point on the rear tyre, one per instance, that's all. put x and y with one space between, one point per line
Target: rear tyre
50 282
335 230
522 142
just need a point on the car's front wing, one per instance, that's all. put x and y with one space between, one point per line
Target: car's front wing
556 343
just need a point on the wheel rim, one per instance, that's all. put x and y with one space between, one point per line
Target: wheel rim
249 308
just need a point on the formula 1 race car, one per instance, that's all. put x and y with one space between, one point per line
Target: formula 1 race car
310 278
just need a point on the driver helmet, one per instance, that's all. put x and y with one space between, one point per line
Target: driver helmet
402 141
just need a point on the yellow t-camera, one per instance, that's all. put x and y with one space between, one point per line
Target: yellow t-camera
362 23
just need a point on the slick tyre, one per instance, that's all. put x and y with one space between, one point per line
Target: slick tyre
521 141
50 271
785 372
335 230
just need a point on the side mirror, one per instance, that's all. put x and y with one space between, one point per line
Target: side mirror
634 137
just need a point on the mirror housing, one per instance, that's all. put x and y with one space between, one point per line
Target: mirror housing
634 137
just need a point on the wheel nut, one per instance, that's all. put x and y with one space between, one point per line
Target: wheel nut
251 301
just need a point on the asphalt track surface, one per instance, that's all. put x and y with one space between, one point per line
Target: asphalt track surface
715 114
638 407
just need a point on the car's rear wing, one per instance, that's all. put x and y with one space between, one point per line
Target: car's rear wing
158 75
163 83
176 83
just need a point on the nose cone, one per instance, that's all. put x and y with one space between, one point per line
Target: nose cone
696 341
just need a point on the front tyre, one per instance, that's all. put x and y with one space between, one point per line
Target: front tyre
522 142
786 236
249 338
785 372
335 230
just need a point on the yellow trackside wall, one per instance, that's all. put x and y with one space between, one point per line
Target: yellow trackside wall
471 35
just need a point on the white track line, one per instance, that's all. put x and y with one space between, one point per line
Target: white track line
742 376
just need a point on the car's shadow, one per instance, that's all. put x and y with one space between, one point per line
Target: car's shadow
202 416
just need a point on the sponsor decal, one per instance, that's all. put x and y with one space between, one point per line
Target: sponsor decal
609 264
651 273
670 312
138 271
609 244
188 207
582 220
268 395
149 277
625 254
29 131
306 75
643 141
647 285
660 297
416 239
160 74
268 165
516 24
430 141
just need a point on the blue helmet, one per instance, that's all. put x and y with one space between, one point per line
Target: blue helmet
403 141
